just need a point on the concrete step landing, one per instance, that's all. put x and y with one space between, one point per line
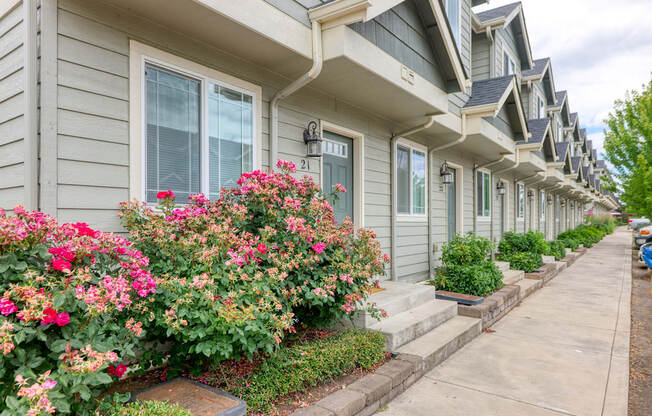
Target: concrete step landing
413 323
396 298
440 343
502 265
510 277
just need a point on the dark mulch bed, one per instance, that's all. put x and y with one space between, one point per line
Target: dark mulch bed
640 355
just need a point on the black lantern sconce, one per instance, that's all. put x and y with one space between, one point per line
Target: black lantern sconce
549 200
500 188
313 140
530 195
563 203
445 174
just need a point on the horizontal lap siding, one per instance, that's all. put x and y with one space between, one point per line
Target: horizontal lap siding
93 116
12 107
457 101
480 62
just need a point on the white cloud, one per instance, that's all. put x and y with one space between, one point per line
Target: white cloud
599 50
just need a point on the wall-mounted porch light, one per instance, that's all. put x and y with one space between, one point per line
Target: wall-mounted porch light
530 195
549 200
500 188
445 174
563 203
313 140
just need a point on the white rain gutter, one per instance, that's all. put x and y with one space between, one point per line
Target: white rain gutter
457 141
30 115
518 162
394 188
313 72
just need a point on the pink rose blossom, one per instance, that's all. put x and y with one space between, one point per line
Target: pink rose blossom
319 247
61 265
340 187
7 307
63 319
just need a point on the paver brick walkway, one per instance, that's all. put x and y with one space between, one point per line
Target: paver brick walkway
563 351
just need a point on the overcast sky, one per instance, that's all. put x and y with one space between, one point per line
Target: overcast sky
599 50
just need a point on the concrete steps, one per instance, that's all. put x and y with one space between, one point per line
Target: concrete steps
502 265
440 343
511 277
415 322
528 286
397 298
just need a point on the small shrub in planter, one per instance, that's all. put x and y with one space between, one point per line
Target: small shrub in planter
557 249
68 299
570 243
466 268
238 273
474 279
527 262
147 408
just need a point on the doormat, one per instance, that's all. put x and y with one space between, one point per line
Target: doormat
199 399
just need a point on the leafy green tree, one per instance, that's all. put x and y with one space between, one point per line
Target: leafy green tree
628 147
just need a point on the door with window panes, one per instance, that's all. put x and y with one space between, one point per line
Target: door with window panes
337 167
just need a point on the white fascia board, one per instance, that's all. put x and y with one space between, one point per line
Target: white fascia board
266 20
342 41
380 6
449 43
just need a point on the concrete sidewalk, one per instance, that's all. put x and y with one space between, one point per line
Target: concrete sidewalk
563 351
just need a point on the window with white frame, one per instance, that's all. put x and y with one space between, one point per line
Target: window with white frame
199 133
483 194
453 14
520 201
543 205
509 68
411 174
541 107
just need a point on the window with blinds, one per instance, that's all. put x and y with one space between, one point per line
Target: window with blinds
199 134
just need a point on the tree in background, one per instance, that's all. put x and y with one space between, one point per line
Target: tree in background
628 147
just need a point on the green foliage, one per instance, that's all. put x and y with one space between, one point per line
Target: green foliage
587 235
238 273
472 279
464 250
303 364
532 242
570 243
147 408
628 147
466 268
527 262
557 249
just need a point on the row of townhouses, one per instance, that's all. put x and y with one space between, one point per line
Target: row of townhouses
436 119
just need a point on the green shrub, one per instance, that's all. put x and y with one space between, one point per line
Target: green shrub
472 279
148 408
303 364
527 262
570 243
532 242
557 249
464 250
587 235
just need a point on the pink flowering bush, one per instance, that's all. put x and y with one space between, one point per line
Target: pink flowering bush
236 274
71 299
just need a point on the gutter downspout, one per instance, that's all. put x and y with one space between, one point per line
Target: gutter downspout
393 199
313 72
31 120
457 141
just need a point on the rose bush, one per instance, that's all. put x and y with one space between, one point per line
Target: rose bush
236 274
67 296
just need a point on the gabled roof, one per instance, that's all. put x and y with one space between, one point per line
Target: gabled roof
489 96
575 163
542 133
575 127
585 174
601 164
560 96
589 149
595 155
538 69
561 105
501 17
573 119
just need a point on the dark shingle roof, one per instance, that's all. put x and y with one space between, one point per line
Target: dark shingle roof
573 119
601 164
575 162
585 172
488 91
592 180
561 148
582 134
589 147
502 11
560 95
595 154
537 68
537 127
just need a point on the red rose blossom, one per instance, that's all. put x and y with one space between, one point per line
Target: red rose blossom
61 265
118 371
165 194
49 316
262 248
62 319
